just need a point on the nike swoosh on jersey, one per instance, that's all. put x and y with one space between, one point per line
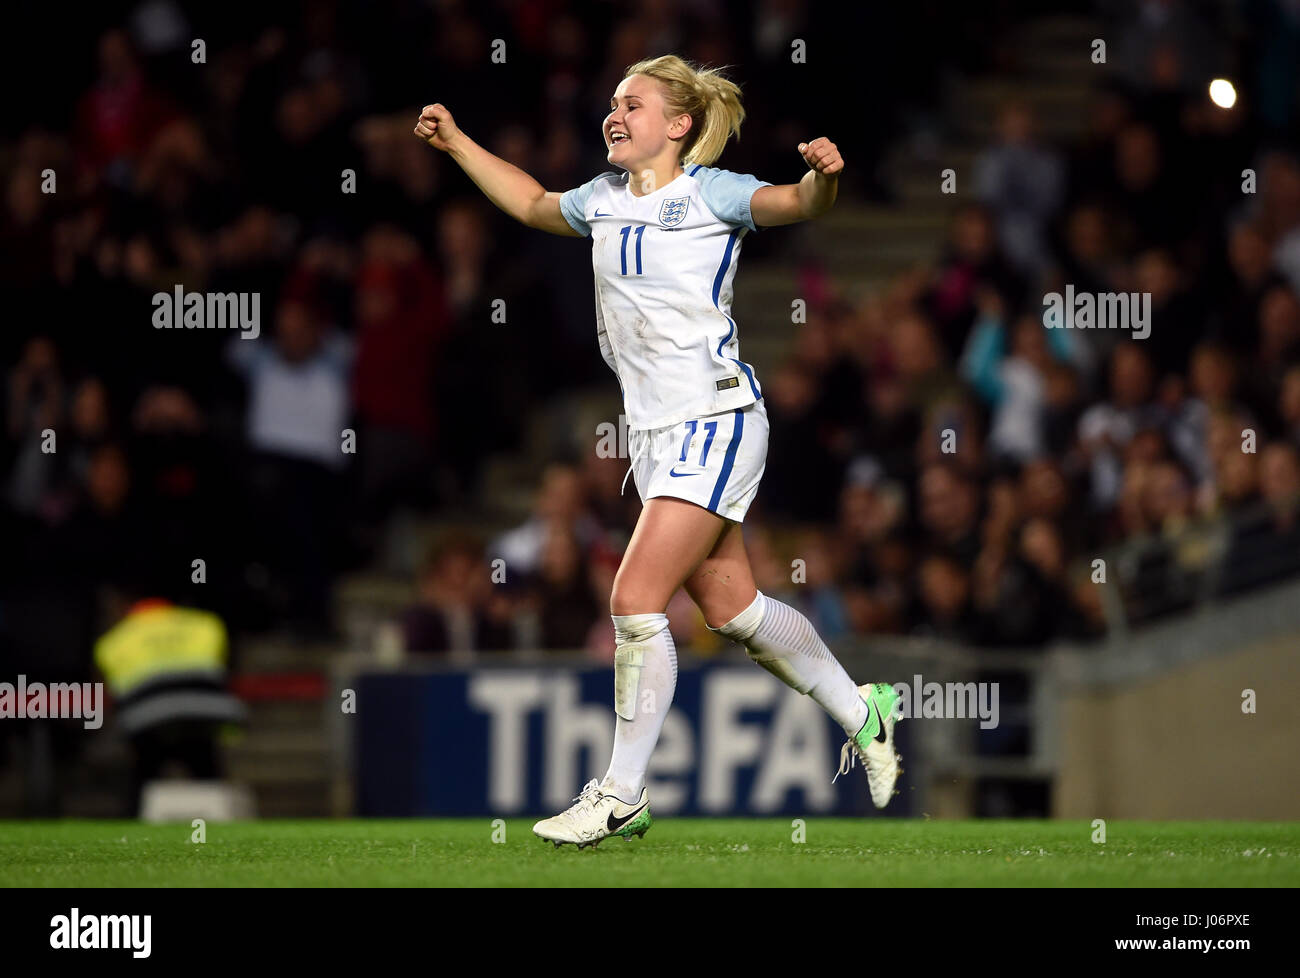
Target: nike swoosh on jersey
614 824
679 475
599 214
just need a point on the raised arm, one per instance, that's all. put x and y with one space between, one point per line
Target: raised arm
811 197
507 186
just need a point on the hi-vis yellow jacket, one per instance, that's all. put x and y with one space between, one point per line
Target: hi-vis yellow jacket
156 641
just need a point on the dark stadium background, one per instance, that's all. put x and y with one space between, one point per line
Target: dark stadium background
476 439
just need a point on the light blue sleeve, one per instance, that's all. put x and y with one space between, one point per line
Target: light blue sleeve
573 204
727 194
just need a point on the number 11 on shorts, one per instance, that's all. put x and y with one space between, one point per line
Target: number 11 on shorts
711 427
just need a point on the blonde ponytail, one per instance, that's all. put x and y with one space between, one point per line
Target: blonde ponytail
711 100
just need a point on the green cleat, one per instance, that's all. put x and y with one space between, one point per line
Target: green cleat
874 743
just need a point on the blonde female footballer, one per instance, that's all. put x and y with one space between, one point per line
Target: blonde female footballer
666 229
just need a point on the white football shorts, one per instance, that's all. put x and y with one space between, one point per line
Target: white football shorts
714 461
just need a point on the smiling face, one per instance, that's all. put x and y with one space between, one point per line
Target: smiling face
637 130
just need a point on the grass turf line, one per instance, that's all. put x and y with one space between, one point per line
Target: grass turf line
675 852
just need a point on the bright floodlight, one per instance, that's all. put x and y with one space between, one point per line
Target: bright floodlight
1222 93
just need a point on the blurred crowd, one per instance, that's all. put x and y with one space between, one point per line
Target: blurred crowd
283 165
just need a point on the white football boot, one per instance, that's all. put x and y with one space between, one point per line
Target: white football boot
596 815
874 743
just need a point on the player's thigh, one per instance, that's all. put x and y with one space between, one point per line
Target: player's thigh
723 584
671 537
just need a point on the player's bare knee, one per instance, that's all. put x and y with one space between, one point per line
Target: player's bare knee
717 609
717 595
714 620
631 600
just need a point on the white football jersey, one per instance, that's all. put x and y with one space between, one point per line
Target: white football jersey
664 264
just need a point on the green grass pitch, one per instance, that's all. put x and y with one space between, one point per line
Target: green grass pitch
675 852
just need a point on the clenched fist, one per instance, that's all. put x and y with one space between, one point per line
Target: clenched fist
436 127
822 156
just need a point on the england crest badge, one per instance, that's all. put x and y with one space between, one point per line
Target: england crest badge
673 211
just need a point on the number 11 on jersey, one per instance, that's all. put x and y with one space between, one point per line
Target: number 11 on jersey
626 230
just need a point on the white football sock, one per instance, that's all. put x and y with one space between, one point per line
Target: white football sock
784 642
648 658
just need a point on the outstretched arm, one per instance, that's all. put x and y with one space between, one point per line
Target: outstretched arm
811 197
507 186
